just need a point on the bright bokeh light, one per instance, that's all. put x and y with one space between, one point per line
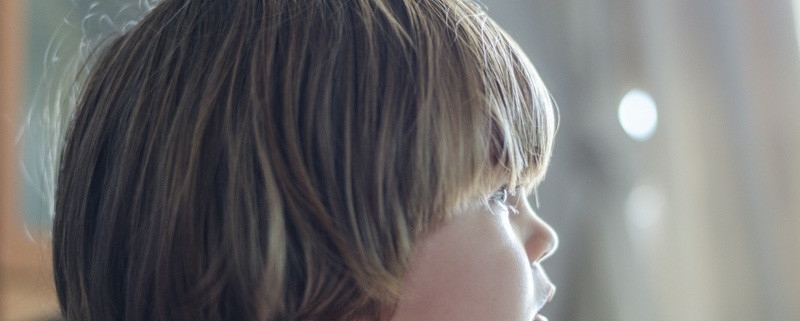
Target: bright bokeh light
797 21
644 208
638 115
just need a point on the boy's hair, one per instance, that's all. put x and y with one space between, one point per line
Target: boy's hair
278 159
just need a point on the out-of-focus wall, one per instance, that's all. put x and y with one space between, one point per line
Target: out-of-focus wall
700 221
26 290
10 94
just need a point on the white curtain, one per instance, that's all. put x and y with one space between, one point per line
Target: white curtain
702 221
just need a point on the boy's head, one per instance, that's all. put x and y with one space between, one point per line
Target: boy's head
279 160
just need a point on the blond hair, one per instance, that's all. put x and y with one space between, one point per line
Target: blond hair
278 159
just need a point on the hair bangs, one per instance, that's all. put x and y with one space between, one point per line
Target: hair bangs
507 113
520 110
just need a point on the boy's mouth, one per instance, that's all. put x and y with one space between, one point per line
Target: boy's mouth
544 291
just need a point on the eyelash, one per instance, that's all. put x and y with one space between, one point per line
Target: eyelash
501 196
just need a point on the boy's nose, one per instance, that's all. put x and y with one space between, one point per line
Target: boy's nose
540 239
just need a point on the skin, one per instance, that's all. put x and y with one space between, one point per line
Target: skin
483 264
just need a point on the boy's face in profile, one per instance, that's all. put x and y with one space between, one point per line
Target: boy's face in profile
484 264
297 186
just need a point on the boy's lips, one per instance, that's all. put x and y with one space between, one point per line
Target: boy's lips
552 292
544 289
550 289
550 295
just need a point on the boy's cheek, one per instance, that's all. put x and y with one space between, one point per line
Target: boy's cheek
473 268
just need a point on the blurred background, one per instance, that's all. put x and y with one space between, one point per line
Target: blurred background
675 184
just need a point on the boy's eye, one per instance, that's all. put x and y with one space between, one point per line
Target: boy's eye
500 195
